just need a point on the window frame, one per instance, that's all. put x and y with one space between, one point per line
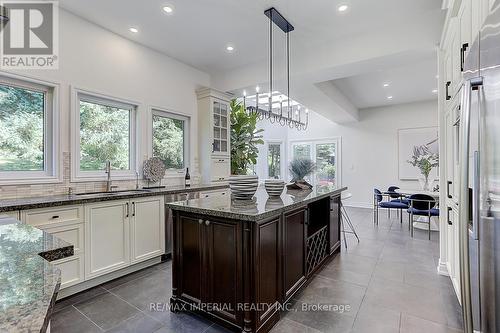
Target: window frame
282 158
163 112
78 175
51 172
313 143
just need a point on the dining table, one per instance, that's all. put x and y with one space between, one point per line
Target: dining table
422 221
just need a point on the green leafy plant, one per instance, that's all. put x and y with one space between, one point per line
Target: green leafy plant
424 159
244 138
301 168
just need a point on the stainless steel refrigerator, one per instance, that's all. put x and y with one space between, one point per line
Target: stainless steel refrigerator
479 198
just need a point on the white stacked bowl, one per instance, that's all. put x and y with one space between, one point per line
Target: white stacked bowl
243 187
274 187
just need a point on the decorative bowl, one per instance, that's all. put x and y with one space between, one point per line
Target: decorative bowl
274 187
243 187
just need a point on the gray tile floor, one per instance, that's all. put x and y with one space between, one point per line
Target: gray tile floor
386 283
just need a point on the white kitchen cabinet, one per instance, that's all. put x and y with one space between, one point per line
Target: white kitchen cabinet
120 233
66 223
107 234
13 214
214 135
72 270
453 249
465 19
221 169
147 228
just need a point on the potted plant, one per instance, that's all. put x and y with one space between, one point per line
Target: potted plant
244 151
301 168
244 139
425 160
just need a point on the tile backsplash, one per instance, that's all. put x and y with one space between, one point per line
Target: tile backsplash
22 191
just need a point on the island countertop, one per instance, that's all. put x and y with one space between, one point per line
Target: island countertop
260 207
28 282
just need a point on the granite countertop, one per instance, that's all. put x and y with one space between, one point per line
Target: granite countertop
260 207
28 282
75 199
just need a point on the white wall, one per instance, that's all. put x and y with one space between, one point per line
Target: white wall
97 60
370 147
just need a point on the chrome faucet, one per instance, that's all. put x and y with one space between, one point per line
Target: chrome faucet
108 171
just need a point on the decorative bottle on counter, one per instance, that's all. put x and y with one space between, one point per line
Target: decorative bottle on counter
187 178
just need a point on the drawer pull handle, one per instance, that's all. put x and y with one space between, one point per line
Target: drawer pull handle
200 221
55 217
448 216
207 222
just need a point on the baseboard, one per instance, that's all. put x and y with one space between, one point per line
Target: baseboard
357 204
442 269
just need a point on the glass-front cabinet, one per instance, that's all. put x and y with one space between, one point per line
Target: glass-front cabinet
220 127
214 140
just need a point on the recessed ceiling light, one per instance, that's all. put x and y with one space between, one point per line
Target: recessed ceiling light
435 91
389 97
342 8
134 30
386 85
168 9
230 48
437 76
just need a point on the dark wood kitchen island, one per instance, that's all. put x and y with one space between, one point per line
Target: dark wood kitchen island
240 262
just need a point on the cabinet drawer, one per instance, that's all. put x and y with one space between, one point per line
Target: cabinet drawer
221 169
210 194
44 216
72 234
13 214
71 270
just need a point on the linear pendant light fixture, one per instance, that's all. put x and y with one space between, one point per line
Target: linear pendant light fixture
291 119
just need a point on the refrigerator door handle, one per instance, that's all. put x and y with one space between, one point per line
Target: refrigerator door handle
463 225
475 196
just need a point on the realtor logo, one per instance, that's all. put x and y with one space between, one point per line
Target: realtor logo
29 37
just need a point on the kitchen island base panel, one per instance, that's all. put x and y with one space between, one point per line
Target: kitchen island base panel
241 273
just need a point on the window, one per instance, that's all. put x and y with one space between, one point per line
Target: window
274 160
106 132
27 131
326 155
170 139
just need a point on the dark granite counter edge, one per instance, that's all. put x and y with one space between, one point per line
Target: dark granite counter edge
43 202
247 217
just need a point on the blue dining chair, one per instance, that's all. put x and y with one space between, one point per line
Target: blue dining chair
422 205
379 203
396 197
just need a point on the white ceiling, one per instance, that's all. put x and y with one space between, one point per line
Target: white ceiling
408 83
199 30
334 57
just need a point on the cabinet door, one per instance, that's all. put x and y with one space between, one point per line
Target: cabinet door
107 237
334 223
189 258
220 127
465 17
71 270
294 252
224 267
147 228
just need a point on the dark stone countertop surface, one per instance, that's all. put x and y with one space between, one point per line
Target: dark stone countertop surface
29 283
260 207
81 198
